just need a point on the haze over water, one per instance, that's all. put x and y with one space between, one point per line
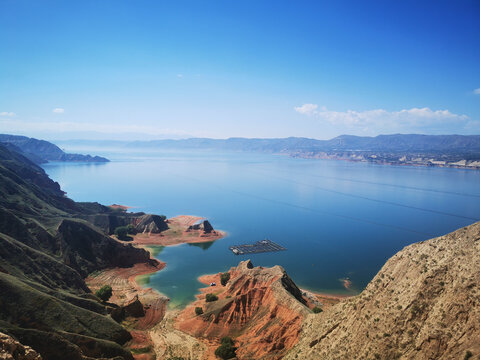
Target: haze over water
336 219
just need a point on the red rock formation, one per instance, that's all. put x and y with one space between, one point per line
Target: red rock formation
260 308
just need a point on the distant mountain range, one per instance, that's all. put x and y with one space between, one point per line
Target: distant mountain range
41 151
461 151
393 143
397 149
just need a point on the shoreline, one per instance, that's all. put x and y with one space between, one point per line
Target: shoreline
129 278
409 164
129 291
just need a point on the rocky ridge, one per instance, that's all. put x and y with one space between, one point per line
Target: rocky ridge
261 308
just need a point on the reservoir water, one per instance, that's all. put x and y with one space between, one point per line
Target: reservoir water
337 219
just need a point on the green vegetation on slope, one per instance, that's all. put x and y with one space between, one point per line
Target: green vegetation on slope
47 248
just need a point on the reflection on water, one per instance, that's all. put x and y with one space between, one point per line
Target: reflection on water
202 245
155 250
143 280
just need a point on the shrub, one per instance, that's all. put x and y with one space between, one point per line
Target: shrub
226 350
198 310
224 278
104 293
131 229
227 340
211 297
415 309
468 355
121 232
317 310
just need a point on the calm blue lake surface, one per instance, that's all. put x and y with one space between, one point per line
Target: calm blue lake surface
337 219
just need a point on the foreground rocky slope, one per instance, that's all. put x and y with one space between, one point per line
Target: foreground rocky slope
10 349
423 304
46 251
261 308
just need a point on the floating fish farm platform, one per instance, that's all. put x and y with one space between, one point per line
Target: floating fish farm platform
258 247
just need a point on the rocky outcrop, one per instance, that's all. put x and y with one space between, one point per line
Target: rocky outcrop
423 304
133 308
261 308
10 349
202 225
150 224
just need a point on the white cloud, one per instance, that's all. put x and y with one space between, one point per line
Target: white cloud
179 76
7 113
476 91
58 110
383 120
307 109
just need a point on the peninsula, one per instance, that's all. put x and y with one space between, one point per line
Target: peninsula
41 151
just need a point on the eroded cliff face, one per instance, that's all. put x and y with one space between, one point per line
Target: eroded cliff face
261 308
423 304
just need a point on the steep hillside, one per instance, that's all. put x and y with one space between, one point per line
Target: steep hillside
423 304
41 151
46 251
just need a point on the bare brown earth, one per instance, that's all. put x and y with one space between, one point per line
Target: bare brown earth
423 304
260 308
178 233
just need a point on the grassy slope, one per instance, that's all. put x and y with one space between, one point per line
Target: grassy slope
45 252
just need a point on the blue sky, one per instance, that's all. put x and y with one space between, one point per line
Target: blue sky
147 69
